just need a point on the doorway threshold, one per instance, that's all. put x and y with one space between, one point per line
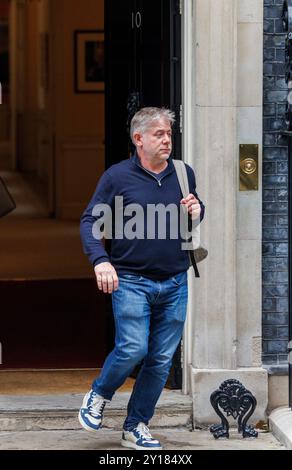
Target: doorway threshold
50 381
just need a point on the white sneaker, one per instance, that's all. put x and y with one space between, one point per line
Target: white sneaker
91 412
140 439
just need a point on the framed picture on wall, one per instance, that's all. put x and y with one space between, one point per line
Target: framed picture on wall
89 61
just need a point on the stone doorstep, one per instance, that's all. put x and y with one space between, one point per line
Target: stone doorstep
280 422
59 412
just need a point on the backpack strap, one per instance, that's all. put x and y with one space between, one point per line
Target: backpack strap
182 177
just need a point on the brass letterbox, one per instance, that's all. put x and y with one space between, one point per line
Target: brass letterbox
248 167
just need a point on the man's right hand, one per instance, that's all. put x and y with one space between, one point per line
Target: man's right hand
106 277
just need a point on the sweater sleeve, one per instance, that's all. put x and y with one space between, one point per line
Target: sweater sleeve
92 244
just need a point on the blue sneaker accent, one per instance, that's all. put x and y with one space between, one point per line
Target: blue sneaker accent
91 412
140 439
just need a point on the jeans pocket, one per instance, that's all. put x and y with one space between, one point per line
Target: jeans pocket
130 277
180 278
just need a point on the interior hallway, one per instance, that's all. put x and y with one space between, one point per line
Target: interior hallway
33 246
27 193
47 291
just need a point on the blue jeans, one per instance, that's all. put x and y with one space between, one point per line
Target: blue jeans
149 318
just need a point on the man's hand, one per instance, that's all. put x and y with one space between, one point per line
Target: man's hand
193 206
106 277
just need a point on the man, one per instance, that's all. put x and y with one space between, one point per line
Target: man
146 274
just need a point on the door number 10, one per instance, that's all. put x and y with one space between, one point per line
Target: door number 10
136 20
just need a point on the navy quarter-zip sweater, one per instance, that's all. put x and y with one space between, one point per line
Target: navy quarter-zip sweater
153 258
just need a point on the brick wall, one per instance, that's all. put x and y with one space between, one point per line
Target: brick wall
275 193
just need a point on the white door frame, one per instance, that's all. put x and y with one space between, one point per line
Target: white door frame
187 155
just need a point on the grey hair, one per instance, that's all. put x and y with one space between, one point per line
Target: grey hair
145 117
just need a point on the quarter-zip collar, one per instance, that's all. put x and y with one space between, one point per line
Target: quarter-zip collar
170 168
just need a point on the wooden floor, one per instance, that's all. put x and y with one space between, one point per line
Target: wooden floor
50 382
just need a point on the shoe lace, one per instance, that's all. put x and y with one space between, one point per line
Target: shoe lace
97 405
143 430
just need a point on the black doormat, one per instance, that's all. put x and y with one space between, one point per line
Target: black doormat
52 324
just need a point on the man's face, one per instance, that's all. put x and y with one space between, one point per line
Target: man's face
155 142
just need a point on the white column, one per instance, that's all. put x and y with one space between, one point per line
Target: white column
224 323
249 203
215 164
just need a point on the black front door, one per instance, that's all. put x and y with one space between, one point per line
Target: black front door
143 67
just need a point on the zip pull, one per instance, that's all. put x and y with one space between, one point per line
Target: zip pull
159 184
